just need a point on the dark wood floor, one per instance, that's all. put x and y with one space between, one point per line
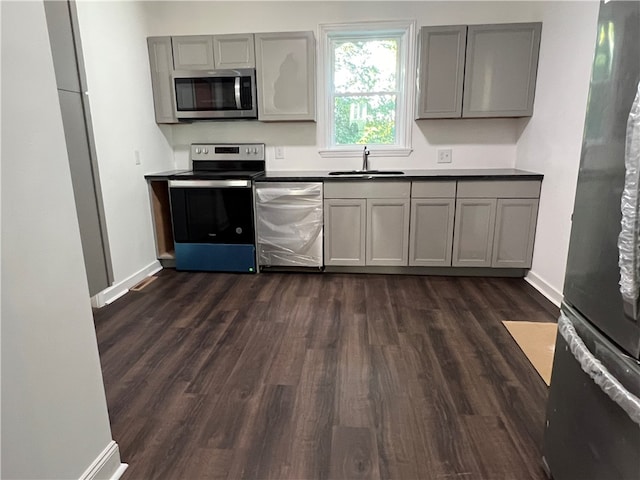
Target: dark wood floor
301 376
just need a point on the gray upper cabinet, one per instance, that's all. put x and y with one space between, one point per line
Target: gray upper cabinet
441 71
285 69
161 61
501 69
209 52
234 51
477 70
515 232
193 52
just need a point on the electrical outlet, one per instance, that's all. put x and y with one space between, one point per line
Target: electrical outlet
136 154
444 155
280 153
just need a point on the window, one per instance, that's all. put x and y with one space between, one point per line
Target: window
366 89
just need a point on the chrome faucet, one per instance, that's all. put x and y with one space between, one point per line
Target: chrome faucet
365 159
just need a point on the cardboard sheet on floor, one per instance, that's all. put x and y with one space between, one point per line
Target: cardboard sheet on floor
537 340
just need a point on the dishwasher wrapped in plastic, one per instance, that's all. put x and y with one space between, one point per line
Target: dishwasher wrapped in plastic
289 224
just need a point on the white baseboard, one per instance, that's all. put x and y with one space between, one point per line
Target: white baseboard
115 291
552 294
107 465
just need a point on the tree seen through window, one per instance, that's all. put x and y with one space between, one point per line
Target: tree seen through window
365 90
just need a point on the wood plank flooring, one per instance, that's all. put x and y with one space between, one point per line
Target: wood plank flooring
323 376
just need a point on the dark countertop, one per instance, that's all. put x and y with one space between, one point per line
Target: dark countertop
163 175
435 174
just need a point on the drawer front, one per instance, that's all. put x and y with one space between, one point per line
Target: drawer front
499 189
367 189
433 189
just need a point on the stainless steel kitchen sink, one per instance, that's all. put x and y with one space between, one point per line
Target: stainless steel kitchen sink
367 172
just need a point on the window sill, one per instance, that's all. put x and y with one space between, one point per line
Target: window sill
375 152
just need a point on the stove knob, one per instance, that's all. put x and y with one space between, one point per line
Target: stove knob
205 151
246 150
197 150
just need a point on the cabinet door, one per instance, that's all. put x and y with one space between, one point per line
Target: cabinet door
234 51
501 68
473 232
515 232
161 63
344 232
441 71
431 232
387 231
193 52
285 70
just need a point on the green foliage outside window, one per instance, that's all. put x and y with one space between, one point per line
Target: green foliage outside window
365 91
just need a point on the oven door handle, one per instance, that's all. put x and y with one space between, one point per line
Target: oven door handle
209 183
236 88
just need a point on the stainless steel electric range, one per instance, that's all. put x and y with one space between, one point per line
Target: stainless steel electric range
212 208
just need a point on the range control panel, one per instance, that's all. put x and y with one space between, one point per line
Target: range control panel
227 151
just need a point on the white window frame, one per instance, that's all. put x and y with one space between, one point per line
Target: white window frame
405 102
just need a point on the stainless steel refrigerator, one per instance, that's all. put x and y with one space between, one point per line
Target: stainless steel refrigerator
593 412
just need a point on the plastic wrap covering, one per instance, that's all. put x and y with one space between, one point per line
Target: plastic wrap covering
290 224
594 368
628 244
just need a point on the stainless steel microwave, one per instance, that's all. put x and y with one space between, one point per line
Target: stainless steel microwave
211 94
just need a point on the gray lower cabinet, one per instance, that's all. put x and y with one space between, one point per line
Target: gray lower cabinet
431 228
514 232
387 231
161 62
431 235
345 231
366 223
286 72
474 227
495 223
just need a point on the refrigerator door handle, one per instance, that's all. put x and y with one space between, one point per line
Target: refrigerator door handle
628 247
598 372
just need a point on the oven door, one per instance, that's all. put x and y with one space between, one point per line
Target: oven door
215 94
213 225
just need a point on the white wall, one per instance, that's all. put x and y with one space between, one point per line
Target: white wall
54 412
552 139
475 143
113 36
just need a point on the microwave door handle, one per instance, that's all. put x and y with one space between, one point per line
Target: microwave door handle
236 88
628 260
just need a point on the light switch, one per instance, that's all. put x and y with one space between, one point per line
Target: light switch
280 153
